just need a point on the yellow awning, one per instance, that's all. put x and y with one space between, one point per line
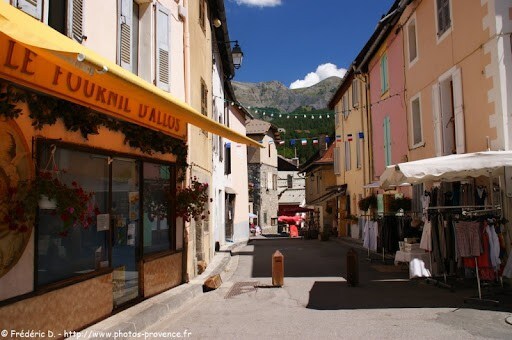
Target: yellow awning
36 56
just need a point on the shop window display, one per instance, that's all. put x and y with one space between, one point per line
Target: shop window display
67 251
156 205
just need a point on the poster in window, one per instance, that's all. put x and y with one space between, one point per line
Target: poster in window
133 199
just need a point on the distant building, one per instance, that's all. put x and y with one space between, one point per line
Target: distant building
262 168
291 186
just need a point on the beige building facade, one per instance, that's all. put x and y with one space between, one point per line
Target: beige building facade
457 79
352 153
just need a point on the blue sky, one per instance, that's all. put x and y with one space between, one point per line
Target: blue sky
300 41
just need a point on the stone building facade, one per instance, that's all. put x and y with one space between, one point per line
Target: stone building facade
262 168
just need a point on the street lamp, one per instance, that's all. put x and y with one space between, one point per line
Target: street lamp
237 54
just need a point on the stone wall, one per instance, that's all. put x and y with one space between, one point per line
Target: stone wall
264 200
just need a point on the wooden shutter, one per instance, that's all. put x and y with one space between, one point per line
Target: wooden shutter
387 141
458 106
384 74
31 7
347 156
76 20
436 116
125 39
337 166
162 48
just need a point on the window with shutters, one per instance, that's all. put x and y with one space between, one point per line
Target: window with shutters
128 35
162 48
443 15
66 17
345 108
204 98
31 7
387 141
448 113
202 14
347 156
336 157
274 181
417 130
355 93
412 46
384 81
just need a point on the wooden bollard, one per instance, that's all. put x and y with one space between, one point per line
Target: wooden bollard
277 269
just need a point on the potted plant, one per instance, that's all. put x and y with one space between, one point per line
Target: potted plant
71 203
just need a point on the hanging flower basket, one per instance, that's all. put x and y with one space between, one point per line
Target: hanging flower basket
191 202
72 204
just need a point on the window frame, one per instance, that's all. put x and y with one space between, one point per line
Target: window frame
412 22
441 35
227 158
421 143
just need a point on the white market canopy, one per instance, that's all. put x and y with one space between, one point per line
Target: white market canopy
447 168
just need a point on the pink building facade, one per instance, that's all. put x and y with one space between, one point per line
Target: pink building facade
387 104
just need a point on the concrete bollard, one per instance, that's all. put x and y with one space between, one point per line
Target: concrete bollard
278 269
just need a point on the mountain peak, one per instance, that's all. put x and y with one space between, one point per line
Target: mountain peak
276 94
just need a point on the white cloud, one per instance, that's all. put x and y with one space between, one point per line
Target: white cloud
259 3
322 72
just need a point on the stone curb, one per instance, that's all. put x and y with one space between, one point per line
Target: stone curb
150 311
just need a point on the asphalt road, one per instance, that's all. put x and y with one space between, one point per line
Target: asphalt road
317 303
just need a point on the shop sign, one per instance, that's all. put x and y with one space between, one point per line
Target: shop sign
98 90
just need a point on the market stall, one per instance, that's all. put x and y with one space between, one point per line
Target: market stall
466 204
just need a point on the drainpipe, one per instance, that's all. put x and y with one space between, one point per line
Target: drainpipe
370 131
186 73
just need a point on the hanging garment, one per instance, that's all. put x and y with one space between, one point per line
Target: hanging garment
485 269
494 246
426 237
468 239
481 195
370 235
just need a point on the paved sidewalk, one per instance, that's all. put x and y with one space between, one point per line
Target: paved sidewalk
150 311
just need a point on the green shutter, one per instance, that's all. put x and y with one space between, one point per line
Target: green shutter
387 141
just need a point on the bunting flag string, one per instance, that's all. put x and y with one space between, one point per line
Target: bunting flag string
303 141
273 114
